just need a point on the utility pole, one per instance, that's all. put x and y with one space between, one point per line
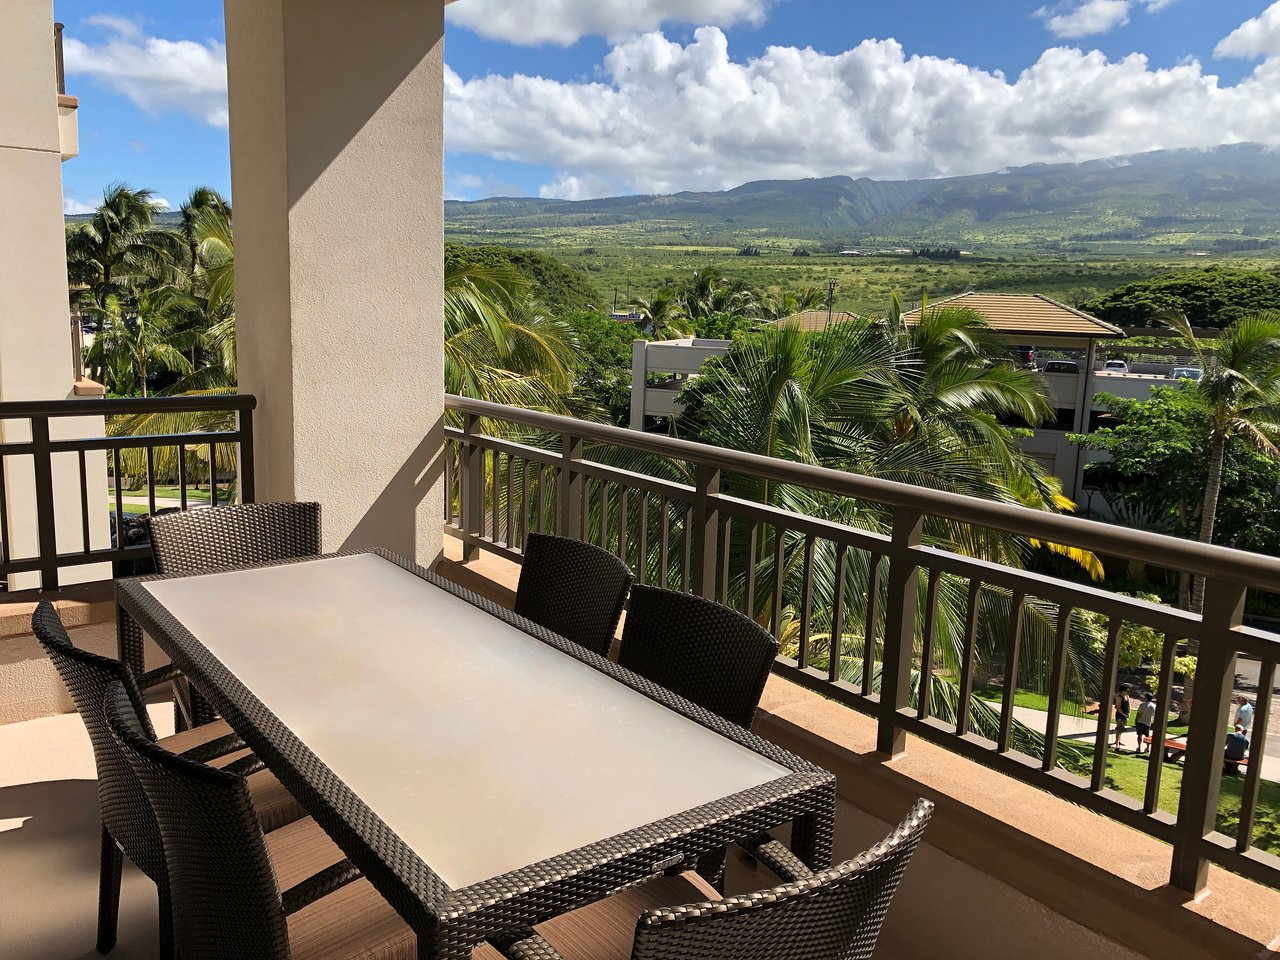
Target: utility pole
831 299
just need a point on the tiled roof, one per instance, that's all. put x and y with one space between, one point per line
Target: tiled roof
1028 313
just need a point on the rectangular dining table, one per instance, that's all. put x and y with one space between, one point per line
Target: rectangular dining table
484 773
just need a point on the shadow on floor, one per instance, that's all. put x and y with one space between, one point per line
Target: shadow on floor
49 877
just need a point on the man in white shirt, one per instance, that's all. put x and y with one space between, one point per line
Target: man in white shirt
1244 714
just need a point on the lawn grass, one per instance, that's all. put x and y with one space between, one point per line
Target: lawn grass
173 493
1128 774
1025 698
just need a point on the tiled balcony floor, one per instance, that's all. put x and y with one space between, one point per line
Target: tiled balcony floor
49 847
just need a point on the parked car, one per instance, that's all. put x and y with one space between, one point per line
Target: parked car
1061 366
1116 366
1186 373
1024 356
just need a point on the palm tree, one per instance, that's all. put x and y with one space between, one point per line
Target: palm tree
120 248
144 338
665 315
782 305
919 404
1240 388
498 343
201 199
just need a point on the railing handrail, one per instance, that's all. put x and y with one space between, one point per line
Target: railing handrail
90 407
1198 558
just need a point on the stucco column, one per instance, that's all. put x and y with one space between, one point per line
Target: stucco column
36 361
337 136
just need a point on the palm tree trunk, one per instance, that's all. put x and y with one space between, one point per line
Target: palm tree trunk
1208 512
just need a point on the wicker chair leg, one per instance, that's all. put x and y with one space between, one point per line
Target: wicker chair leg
202 711
179 712
109 892
711 867
167 951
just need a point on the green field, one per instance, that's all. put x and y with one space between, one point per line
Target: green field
614 260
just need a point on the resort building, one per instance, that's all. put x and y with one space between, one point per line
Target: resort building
1038 330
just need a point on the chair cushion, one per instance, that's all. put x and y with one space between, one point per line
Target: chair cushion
606 930
274 804
353 923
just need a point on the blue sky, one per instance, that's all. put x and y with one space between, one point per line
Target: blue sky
594 97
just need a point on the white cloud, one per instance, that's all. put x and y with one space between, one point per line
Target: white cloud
568 186
1072 19
72 207
665 116
566 21
129 29
1086 19
1258 37
156 74
161 204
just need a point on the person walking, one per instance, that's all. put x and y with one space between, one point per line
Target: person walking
1237 747
1120 705
1146 720
1244 714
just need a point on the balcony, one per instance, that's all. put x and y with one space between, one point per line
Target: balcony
1034 850
68 125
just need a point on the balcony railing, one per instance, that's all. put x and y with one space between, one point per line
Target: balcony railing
40 470
59 67
509 472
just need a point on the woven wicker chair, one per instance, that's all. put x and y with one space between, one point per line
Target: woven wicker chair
572 588
699 649
833 915
226 876
231 536
200 540
127 821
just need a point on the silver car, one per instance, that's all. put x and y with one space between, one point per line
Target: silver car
1186 373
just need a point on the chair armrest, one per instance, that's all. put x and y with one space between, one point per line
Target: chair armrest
778 858
153 678
245 766
526 945
319 885
216 748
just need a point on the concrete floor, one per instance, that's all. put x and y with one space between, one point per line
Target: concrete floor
49 847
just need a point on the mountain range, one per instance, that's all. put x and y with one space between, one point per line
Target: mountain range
1180 197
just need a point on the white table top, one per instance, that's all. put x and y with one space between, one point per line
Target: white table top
483 748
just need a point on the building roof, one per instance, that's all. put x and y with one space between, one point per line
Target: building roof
816 320
1031 314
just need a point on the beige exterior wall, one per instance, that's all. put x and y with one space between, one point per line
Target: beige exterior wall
35 343
336 159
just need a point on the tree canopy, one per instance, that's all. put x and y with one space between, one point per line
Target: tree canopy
560 289
1212 297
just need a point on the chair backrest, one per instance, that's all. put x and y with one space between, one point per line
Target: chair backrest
833 915
700 649
125 811
226 903
572 588
234 535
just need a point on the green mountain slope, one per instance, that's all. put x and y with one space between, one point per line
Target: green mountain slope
1172 196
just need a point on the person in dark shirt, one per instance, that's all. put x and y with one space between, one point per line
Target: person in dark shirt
1120 709
1237 747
